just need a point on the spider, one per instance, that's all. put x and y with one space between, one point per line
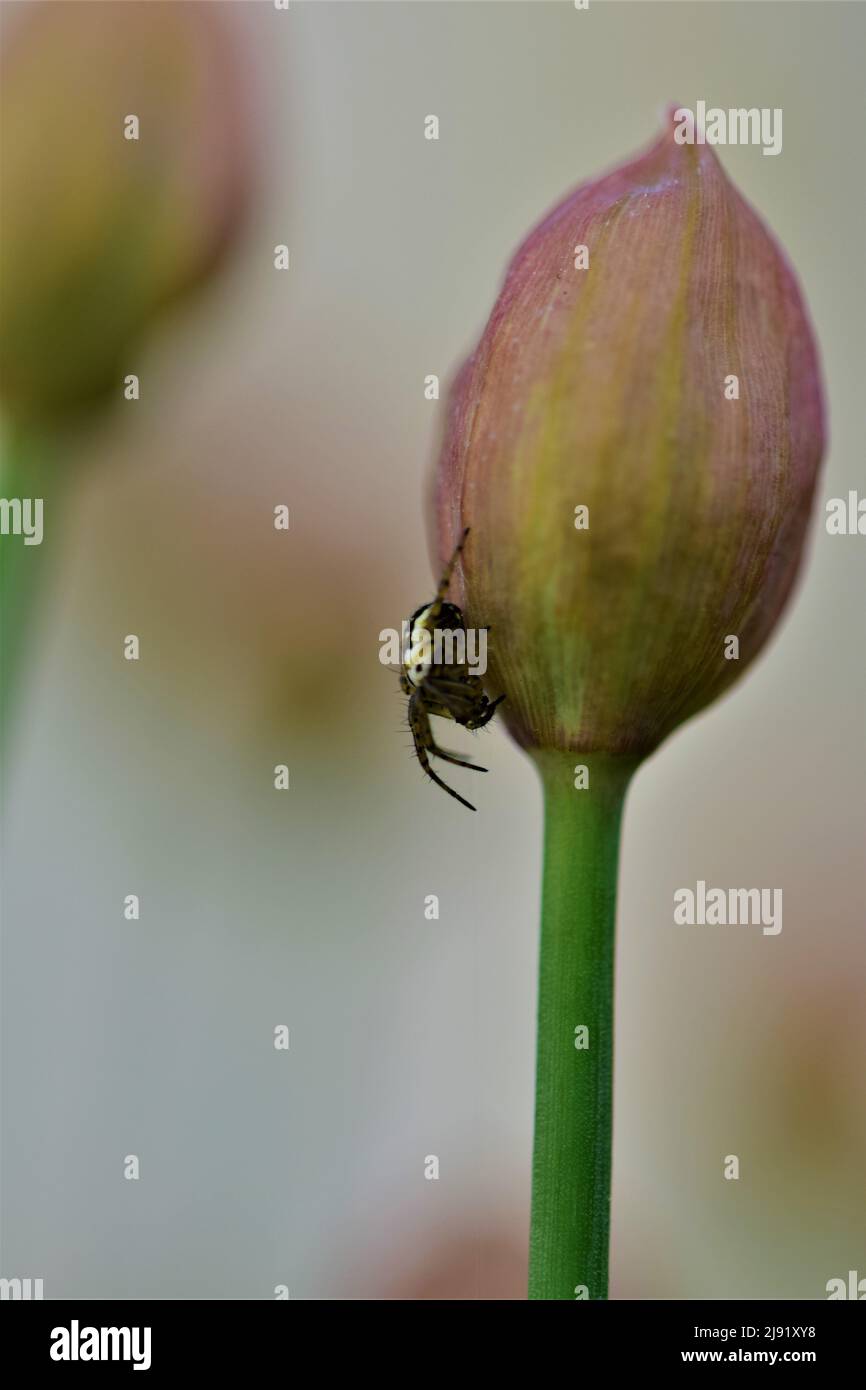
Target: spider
448 689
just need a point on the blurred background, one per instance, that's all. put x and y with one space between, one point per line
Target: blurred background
305 387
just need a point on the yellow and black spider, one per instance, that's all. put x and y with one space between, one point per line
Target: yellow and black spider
439 686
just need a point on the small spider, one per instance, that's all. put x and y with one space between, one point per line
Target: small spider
449 689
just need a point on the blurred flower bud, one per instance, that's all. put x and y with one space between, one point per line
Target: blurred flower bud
634 443
100 230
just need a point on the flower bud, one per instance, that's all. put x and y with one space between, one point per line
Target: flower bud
100 230
634 444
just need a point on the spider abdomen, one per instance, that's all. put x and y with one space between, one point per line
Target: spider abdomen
436 643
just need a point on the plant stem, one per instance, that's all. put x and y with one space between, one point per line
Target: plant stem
570 1224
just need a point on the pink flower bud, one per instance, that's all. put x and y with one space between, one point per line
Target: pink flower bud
101 231
649 360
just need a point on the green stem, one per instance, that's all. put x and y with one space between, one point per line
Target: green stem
570 1225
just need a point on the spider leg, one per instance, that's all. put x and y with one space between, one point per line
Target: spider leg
436 605
454 758
419 723
449 568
